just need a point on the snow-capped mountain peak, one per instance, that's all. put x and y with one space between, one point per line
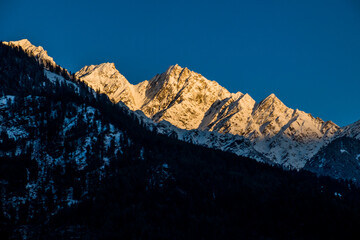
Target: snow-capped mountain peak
105 78
271 103
182 93
104 70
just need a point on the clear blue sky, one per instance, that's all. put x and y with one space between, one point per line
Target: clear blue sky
307 52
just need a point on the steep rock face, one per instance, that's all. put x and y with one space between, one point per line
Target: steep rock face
230 115
181 97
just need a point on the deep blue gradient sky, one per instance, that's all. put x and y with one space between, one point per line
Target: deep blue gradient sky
307 52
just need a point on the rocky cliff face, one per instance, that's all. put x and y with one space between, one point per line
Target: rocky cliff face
181 97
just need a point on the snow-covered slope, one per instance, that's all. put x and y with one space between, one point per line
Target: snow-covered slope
189 101
239 145
340 158
288 137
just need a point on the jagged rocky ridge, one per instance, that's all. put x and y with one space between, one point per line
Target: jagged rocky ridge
189 101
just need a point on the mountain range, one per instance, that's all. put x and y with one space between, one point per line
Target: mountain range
189 101
268 130
91 156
